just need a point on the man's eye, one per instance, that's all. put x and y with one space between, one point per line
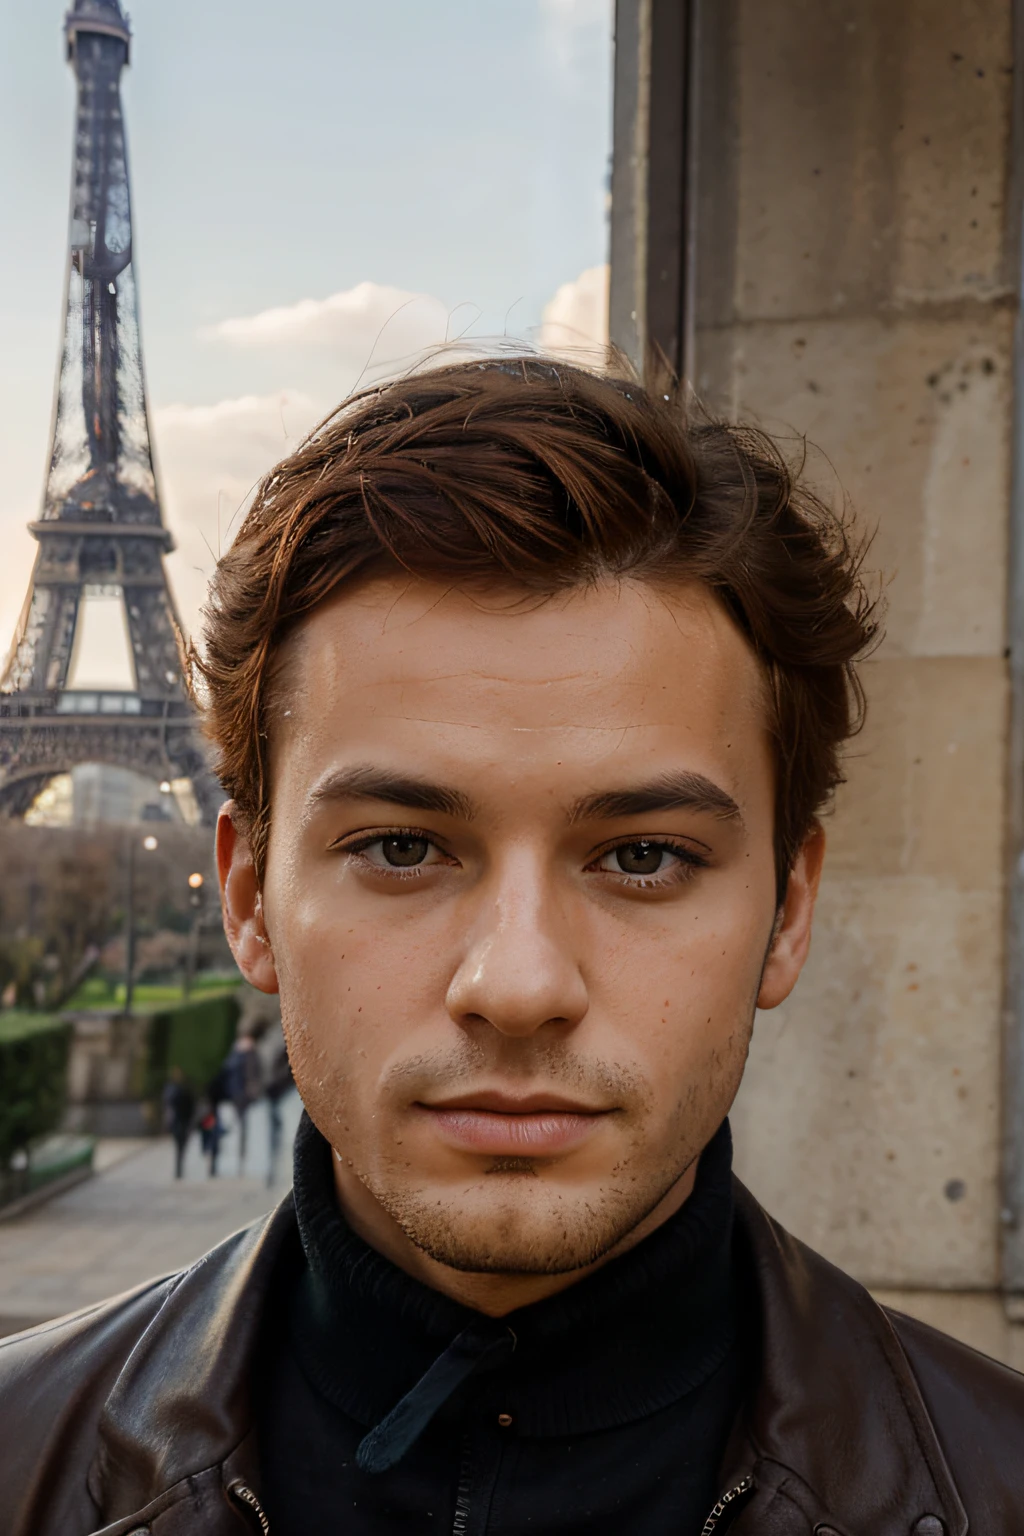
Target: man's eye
643 858
400 851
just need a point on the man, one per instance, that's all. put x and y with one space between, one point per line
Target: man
179 1104
528 696
241 1083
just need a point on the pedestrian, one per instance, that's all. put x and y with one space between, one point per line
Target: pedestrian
280 1082
211 1127
212 1132
529 689
179 1103
242 1074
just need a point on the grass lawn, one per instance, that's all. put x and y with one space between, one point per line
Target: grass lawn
96 993
15 1025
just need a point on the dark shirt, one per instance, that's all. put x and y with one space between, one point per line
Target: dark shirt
241 1076
179 1108
602 1410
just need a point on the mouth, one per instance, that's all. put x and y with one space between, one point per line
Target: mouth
506 1125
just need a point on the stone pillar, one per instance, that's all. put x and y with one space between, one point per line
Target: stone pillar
854 280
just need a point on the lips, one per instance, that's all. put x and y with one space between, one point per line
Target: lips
502 1125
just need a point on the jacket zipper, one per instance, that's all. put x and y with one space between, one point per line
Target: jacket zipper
460 1524
245 1495
711 1523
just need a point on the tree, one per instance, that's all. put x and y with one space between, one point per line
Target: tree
63 902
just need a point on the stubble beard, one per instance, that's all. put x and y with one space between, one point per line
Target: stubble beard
517 1219
532 1229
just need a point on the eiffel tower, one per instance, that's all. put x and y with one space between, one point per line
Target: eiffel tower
100 529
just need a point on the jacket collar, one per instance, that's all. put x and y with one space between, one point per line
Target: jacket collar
836 1426
182 1403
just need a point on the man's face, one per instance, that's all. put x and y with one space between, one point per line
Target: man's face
518 899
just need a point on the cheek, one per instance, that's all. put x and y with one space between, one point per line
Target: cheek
356 989
712 945
683 992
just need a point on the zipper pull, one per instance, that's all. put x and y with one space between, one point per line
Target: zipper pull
246 1496
711 1523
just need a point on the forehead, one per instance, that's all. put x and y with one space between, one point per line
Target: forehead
621 671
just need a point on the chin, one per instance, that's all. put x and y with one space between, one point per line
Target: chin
529 1229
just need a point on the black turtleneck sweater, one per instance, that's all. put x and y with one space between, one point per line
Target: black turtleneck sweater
387 1408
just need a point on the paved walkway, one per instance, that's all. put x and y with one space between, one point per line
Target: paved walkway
134 1220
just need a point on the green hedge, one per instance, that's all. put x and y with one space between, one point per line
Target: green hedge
195 1036
33 1078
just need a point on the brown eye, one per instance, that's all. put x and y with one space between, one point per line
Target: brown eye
404 852
639 858
391 852
648 863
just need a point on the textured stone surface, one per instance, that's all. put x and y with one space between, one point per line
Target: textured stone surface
873 151
924 791
911 418
871 1097
865 147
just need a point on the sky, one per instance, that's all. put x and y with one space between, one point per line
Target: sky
320 188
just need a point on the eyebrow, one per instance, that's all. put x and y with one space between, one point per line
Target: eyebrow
670 792
365 782
684 791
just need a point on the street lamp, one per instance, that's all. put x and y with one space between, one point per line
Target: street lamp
150 844
195 900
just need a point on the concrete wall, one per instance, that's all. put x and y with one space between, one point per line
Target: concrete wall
855 282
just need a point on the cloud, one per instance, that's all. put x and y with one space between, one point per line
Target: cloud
370 324
211 457
573 30
575 320
569 16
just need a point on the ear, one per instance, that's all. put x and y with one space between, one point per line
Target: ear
793 925
242 904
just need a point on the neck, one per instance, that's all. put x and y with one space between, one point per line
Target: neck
493 1294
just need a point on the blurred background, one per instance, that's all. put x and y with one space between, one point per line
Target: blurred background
812 211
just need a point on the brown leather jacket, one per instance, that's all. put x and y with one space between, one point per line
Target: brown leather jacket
135 1416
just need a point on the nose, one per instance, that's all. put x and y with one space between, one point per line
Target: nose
520 970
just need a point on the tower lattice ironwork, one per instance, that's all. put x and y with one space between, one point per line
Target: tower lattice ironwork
100 529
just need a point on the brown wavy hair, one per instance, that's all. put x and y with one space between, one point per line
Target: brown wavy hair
547 476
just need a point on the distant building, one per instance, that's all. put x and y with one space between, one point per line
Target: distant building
100 794
99 572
